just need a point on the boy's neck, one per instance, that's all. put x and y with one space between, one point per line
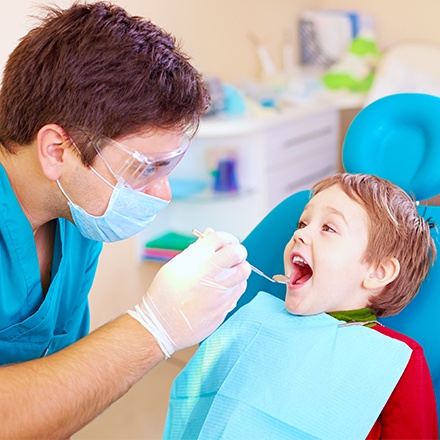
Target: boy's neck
360 315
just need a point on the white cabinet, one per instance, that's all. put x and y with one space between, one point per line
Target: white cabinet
276 156
298 153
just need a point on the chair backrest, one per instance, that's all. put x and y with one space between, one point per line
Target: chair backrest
397 138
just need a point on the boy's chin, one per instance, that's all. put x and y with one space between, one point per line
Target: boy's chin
294 307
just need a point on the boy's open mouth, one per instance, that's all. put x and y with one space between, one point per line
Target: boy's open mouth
301 271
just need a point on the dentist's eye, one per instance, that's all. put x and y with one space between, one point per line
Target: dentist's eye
327 228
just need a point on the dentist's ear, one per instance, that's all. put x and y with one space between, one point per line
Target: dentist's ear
382 274
52 142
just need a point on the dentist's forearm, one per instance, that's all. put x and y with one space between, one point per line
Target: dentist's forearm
54 397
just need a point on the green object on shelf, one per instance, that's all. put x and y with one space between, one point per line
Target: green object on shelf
355 70
341 80
364 47
171 240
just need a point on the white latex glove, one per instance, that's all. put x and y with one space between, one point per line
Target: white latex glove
191 295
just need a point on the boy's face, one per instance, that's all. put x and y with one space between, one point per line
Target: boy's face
324 257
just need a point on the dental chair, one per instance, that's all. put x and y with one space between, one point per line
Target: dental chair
397 138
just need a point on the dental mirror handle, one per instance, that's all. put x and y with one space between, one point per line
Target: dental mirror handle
282 279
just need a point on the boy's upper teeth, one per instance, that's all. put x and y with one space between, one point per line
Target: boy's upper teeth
298 260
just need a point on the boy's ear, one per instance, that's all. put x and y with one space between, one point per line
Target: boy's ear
52 142
382 274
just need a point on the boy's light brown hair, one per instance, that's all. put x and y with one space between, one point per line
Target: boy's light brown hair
396 230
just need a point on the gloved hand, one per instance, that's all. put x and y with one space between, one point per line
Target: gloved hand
191 295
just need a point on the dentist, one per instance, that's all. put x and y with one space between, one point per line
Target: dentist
96 109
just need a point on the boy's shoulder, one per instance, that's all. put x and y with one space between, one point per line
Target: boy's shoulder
414 345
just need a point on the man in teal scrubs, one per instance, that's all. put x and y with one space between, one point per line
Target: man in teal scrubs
96 108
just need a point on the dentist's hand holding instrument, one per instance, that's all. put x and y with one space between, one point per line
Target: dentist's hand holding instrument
282 279
192 294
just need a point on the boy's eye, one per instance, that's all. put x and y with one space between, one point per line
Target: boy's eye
300 225
327 228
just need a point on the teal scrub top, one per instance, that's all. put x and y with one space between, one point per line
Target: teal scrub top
34 324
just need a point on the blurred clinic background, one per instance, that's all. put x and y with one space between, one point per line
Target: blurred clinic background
286 78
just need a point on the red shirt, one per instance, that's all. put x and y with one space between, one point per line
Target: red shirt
410 412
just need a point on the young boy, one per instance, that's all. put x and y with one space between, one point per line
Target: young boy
360 251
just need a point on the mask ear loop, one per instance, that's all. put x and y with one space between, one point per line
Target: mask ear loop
90 166
102 178
93 169
64 192
96 172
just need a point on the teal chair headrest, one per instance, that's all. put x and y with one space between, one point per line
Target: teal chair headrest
398 138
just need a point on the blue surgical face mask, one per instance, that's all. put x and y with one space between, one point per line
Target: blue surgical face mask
128 213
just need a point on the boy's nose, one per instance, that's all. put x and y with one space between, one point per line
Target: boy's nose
301 236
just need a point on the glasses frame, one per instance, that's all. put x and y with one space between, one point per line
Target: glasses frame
150 162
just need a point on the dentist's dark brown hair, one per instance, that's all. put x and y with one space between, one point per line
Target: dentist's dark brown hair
96 67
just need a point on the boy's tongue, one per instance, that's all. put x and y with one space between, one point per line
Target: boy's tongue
300 273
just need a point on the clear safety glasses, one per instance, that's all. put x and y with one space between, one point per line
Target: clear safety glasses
136 170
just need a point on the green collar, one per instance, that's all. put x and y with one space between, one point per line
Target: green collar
356 316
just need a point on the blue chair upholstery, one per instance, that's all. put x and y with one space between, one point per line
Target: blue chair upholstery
397 138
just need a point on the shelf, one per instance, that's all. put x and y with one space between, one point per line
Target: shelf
213 196
221 126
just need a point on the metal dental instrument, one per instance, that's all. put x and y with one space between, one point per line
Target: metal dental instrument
282 279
